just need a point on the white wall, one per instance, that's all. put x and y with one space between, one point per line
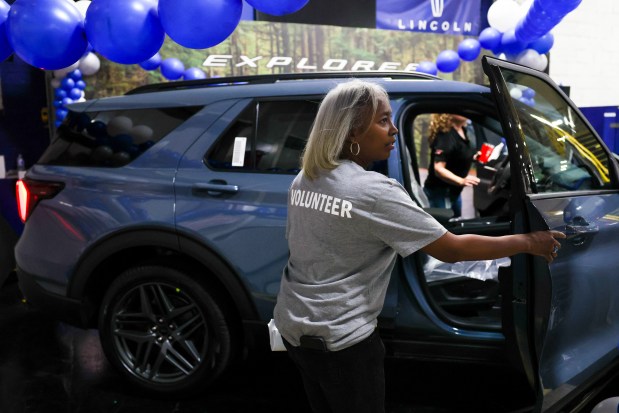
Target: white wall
585 55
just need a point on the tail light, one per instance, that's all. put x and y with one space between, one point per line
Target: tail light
30 192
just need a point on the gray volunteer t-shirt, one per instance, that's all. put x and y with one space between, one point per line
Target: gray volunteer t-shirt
344 230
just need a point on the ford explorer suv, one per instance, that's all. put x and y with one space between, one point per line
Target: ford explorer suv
158 218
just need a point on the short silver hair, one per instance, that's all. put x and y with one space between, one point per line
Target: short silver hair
348 106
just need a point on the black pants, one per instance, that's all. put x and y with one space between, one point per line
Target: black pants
345 381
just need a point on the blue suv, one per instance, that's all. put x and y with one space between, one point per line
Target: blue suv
158 217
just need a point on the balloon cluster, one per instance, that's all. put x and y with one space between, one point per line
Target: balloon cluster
62 35
517 32
54 34
172 68
116 142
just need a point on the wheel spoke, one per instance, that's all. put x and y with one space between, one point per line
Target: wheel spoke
181 310
185 330
168 354
190 348
163 299
132 318
136 336
145 305
177 359
142 355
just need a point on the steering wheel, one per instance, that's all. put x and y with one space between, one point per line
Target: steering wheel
501 178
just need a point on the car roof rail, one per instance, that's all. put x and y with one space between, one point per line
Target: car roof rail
273 78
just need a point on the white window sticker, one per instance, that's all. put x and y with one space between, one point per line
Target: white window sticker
238 154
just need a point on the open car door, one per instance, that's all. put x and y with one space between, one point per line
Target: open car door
563 318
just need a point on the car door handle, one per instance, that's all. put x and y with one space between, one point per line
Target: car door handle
579 230
215 187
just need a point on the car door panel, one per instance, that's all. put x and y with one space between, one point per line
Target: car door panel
562 177
582 322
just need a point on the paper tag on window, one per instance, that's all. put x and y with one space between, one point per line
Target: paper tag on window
238 154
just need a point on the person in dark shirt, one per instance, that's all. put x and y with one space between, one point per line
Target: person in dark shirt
450 161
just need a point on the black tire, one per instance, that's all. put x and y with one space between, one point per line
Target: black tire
163 331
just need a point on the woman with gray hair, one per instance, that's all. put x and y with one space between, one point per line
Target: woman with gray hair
345 227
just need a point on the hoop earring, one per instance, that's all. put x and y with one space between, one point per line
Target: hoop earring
358 148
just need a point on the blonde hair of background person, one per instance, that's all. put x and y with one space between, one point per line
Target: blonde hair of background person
439 123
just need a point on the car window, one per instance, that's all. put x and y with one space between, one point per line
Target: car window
565 154
267 137
111 138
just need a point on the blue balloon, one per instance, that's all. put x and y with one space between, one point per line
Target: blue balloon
447 61
133 151
5 46
510 44
103 140
58 103
427 67
541 17
278 8
125 31
558 8
528 93
97 128
490 38
48 34
75 93
121 142
194 73
61 113
67 83
60 93
75 75
172 68
80 84
152 63
200 24
543 44
469 49
66 101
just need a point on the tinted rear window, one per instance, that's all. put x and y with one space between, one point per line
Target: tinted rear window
111 138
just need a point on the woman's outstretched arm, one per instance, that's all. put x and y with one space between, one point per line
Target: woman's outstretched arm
470 247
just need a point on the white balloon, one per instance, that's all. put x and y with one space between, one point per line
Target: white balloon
529 58
515 93
60 73
89 64
607 406
542 63
55 83
141 133
118 125
504 15
82 6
